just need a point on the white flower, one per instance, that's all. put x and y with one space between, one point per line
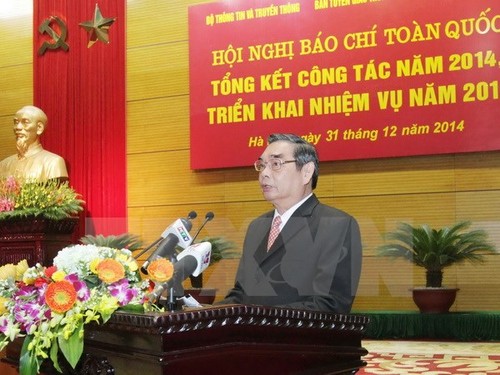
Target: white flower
76 259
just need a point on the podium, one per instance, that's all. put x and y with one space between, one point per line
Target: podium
232 339
37 240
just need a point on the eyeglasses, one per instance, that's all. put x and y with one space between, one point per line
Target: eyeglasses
274 163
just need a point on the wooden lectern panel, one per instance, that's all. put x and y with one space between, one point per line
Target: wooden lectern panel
236 339
223 340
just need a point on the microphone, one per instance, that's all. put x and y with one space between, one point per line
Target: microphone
191 261
201 253
176 234
192 215
209 216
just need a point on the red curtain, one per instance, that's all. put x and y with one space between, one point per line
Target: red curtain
82 91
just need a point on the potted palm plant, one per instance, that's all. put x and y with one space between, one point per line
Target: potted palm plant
435 250
121 241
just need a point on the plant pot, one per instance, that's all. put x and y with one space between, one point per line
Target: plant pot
434 300
196 281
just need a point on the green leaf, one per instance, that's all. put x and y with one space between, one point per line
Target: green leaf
54 351
29 364
122 241
133 308
72 348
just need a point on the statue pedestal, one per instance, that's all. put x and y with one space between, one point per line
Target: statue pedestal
35 239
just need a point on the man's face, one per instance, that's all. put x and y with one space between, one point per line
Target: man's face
286 186
27 128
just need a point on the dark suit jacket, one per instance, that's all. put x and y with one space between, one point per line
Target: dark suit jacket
315 263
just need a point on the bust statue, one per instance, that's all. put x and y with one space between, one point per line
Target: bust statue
32 162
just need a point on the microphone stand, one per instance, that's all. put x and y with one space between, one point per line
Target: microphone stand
171 302
208 217
147 248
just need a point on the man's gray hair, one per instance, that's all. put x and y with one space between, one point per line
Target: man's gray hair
303 153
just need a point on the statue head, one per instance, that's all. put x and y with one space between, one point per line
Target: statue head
29 124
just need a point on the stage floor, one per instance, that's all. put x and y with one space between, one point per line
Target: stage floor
401 357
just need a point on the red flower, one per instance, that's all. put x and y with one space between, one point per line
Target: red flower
40 281
49 271
151 285
60 296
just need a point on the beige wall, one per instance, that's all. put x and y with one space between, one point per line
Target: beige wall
438 190
16 72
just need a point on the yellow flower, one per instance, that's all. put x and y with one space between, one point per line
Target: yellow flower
93 265
7 271
28 281
122 257
58 275
3 308
21 268
14 271
107 305
132 264
71 323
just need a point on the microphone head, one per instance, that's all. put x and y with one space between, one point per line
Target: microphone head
187 224
209 216
192 215
166 248
201 252
180 228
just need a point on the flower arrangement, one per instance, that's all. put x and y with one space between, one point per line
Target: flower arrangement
49 306
49 199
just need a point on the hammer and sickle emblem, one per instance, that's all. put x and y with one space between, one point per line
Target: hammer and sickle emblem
58 41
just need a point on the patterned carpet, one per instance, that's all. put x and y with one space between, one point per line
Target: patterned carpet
431 358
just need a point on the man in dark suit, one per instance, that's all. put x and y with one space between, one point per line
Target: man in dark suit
315 261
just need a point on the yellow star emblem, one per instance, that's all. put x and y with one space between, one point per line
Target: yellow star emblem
98 27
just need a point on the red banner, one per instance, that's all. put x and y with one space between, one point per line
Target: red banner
79 82
358 78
